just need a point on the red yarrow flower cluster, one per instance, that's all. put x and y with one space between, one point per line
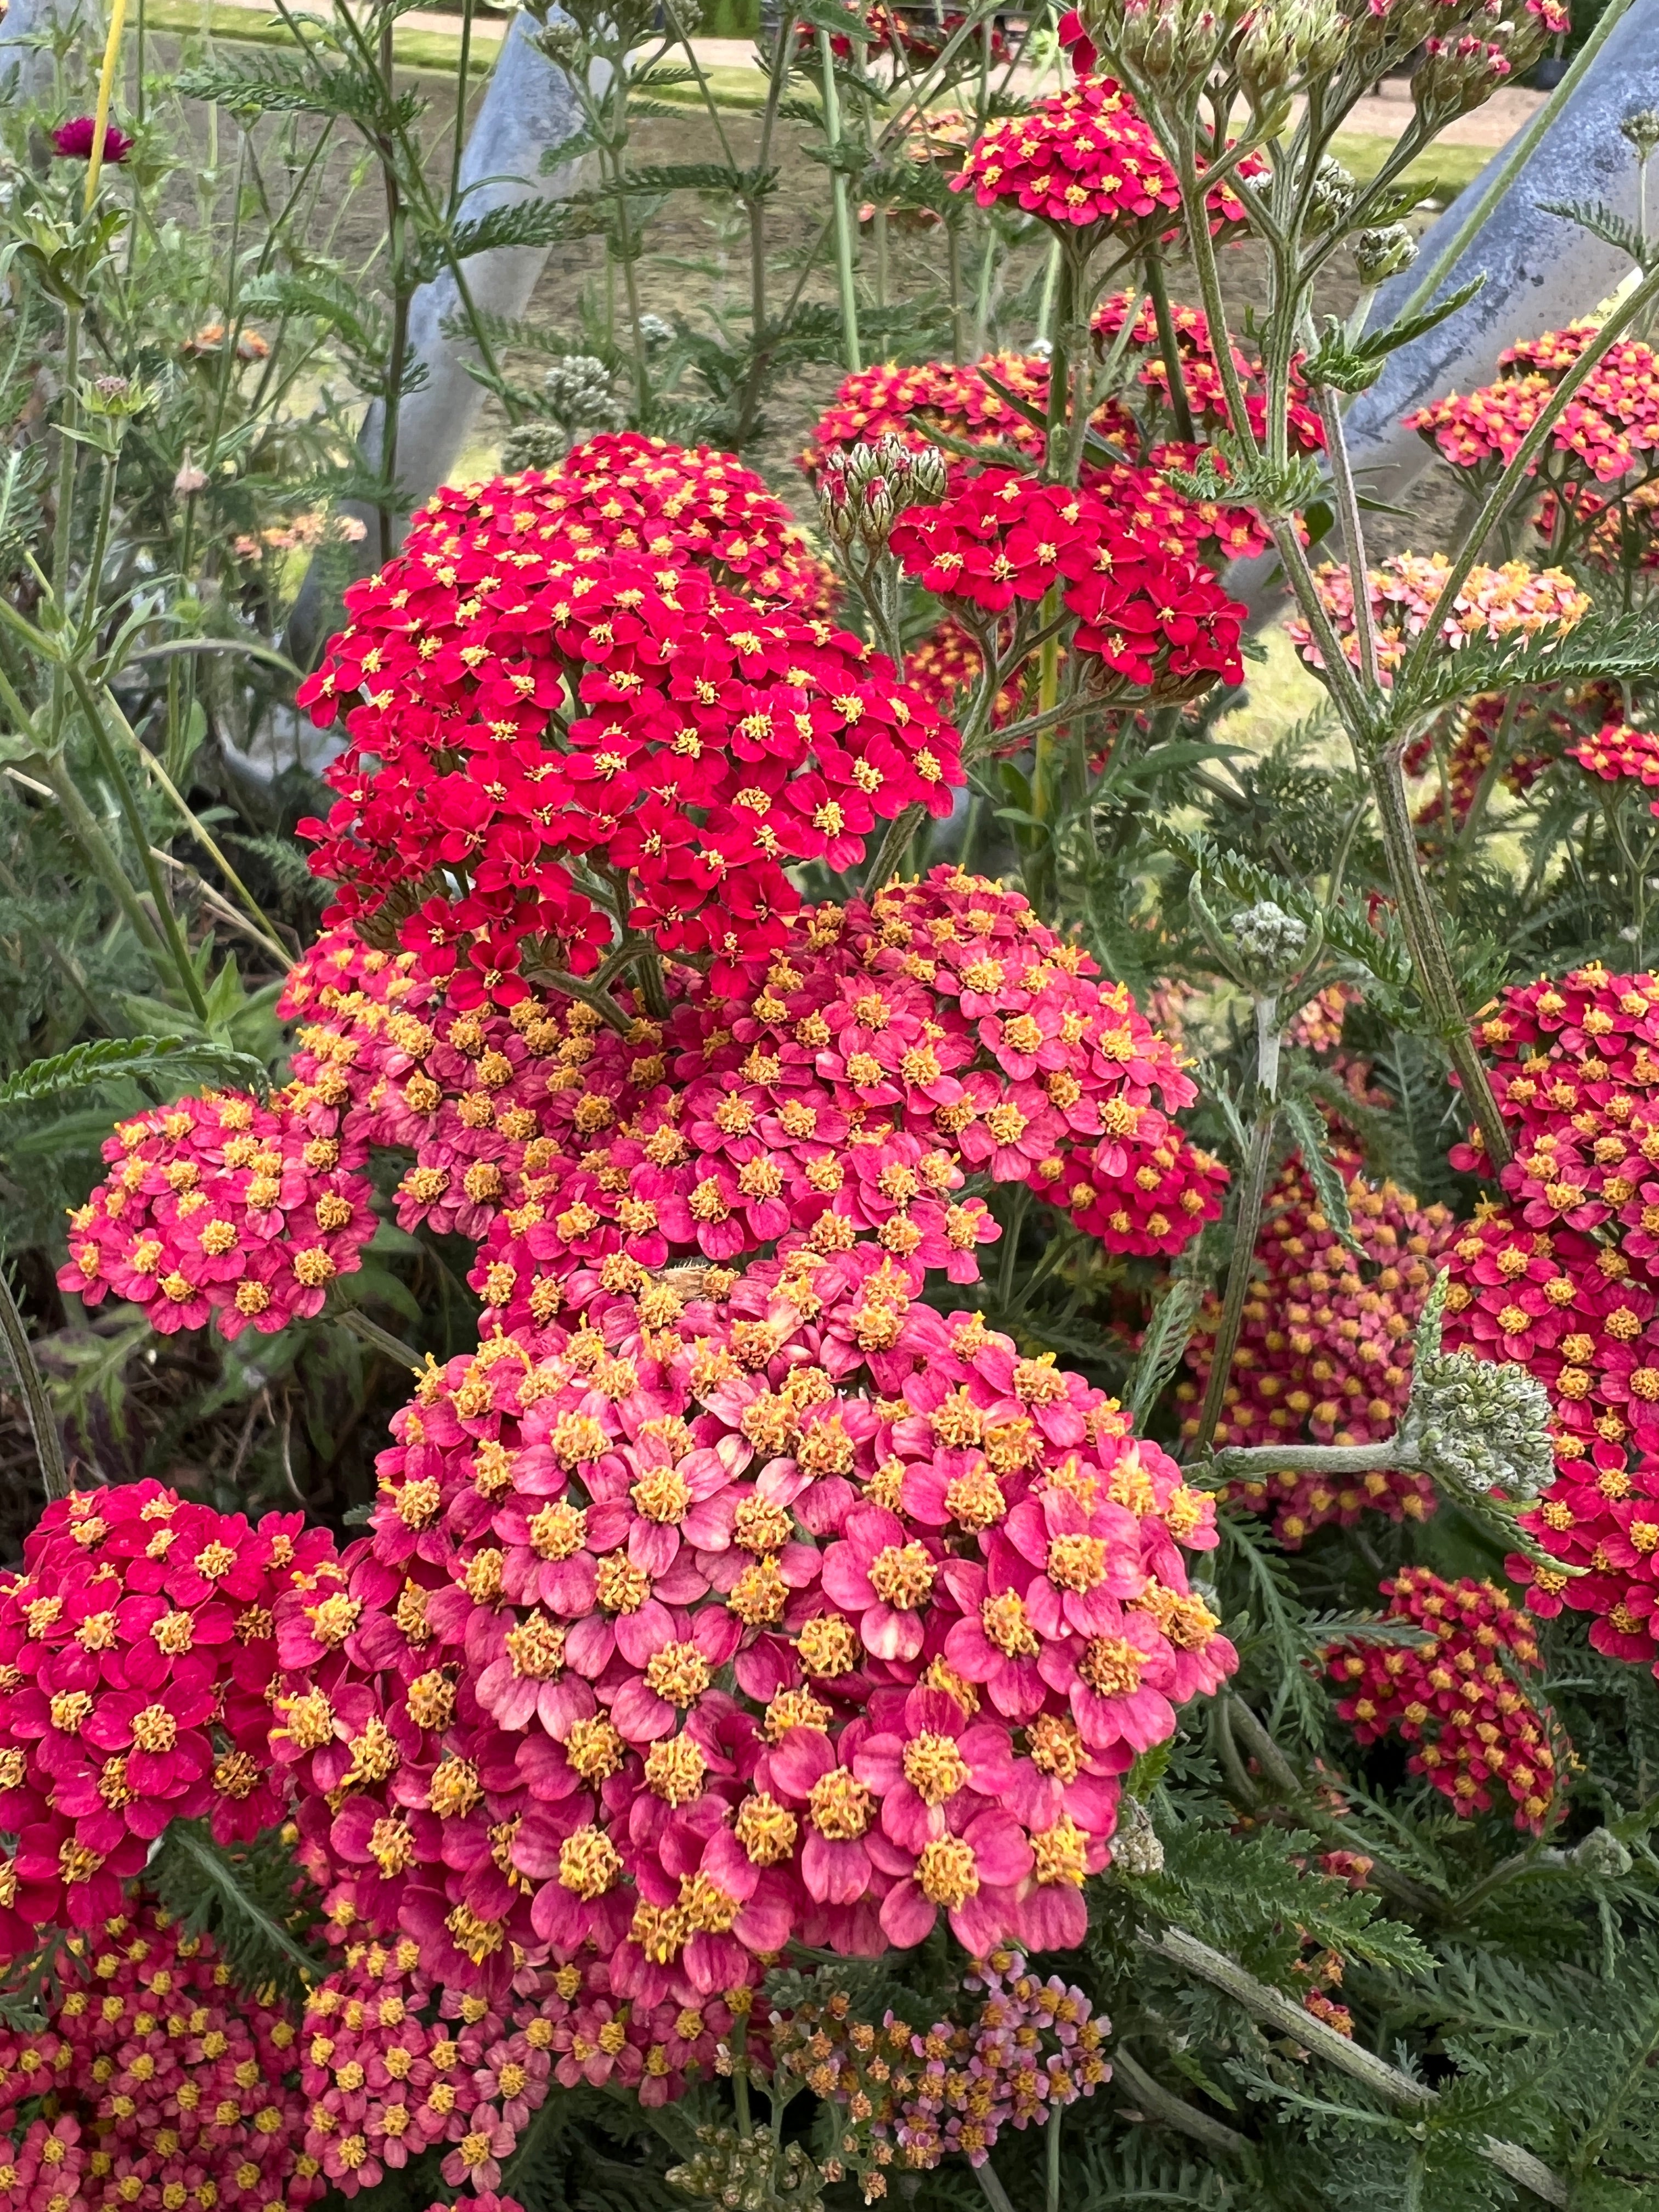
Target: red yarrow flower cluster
1156 620
1513 601
135 1649
1461 1695
516 712
947 668
1083 161
1325 1352
916 39
805 1612
1620 752
164 2085
219 1207
634 494
911 2098
1459 768
1564 1278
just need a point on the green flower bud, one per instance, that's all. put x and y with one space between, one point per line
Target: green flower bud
1379 254
1600 1853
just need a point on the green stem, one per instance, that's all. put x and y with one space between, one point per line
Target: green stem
1158 291
1246 1226
1516 154
1239 1462
381 1339
1353 535
96 849
992 2190
1252 1192
110 761
463 85
851 349
1435 977
48 1444
1284 2015
1057 2114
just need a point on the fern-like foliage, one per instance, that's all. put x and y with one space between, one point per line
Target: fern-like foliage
174 1062
259 1910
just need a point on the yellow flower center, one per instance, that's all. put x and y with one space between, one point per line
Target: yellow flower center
840 1806
902 1575
934 1767
947 1872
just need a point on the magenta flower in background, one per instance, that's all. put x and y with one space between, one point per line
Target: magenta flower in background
74 139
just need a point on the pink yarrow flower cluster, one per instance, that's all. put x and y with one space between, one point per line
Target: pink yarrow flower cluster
222 1208
1562 1275
890 1055
802 1612
394 2066
137 1645
166 2087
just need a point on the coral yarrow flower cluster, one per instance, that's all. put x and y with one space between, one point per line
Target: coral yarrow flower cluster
137 1645
517 701
154 2085
921 400
1608 428
799 1611
1325 1351
1467 1695
1511 601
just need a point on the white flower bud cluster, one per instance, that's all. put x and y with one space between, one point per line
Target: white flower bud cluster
1474 1425
1268 937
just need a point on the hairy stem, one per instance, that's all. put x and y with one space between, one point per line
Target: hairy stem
851 351
1420 919
1284 2014
1164 2108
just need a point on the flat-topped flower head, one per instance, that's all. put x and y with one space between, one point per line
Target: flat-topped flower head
1084 162
512 714
739 1705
